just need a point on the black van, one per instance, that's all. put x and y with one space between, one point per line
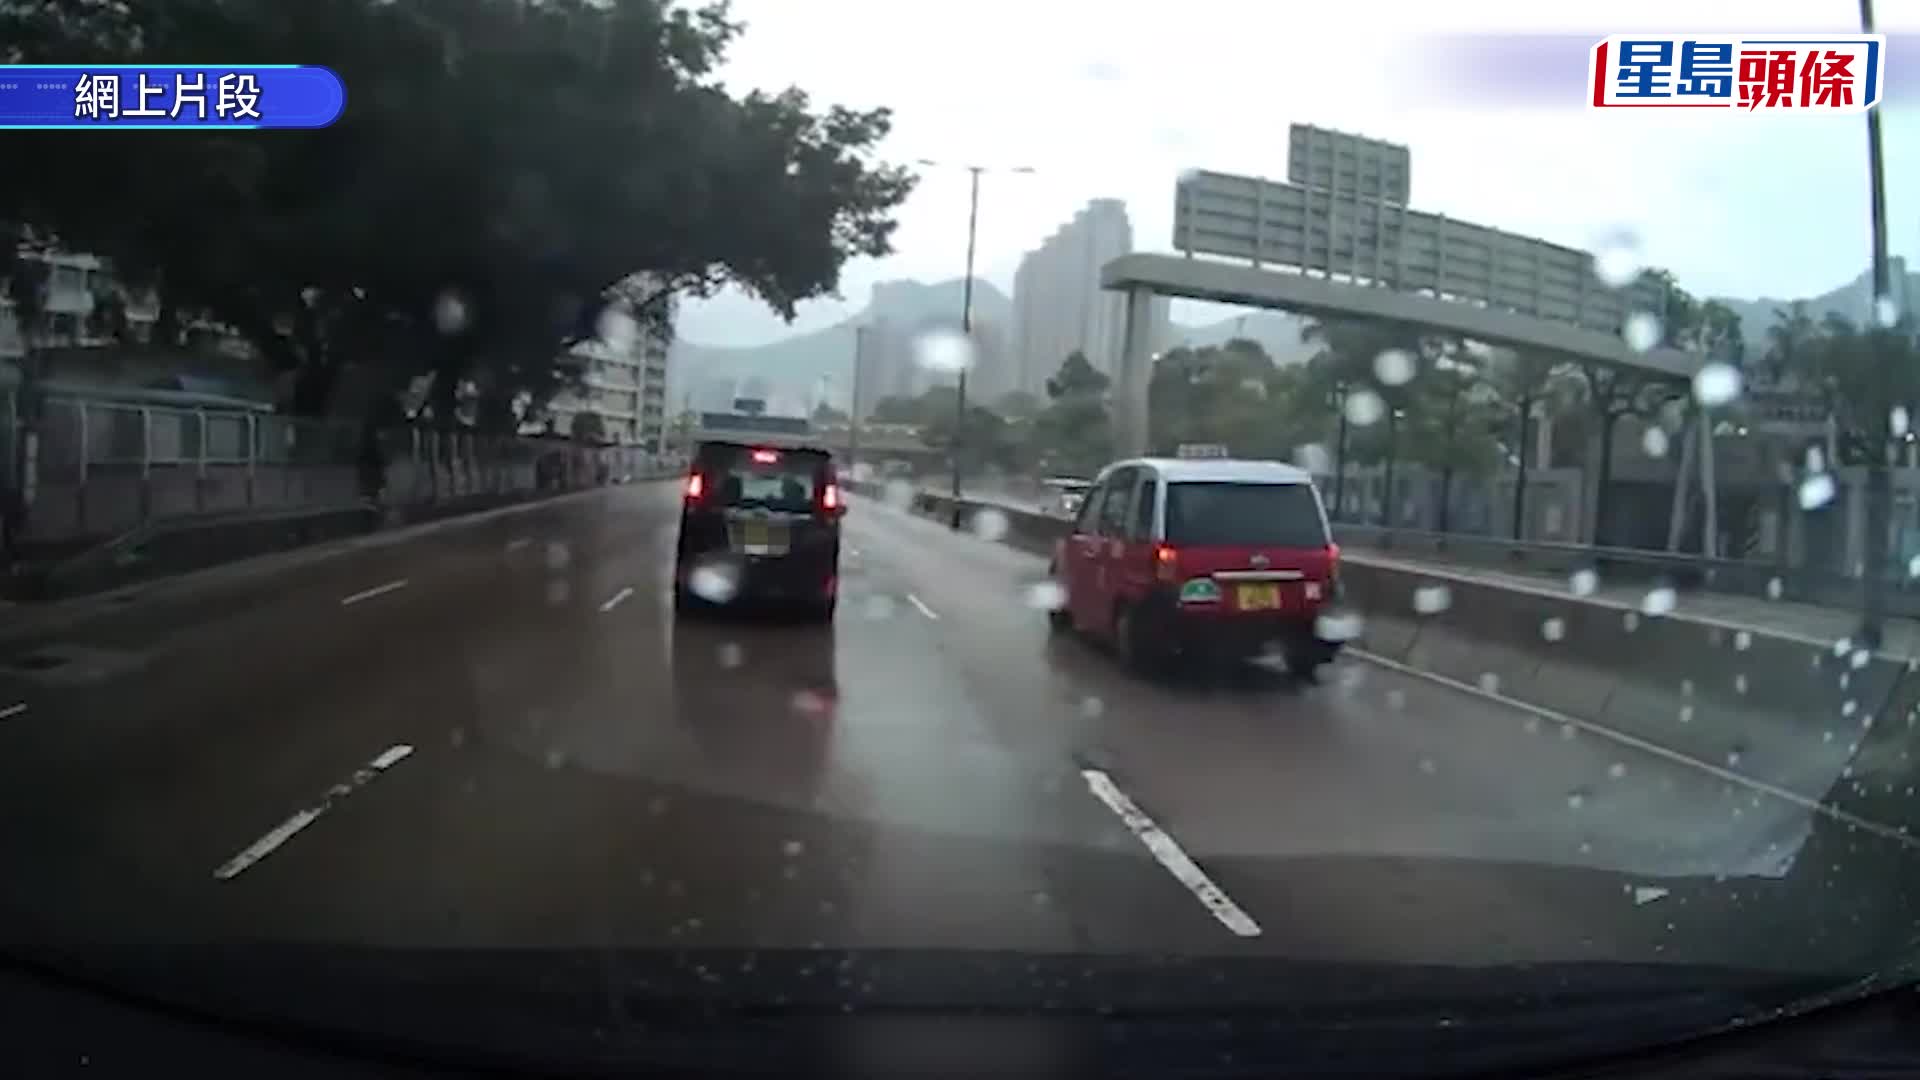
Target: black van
759 523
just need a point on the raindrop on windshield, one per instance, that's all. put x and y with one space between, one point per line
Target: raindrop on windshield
1314 458
1740 684
1816 491
1364 408
730 654
1394 367
1617 770
617 329
450 313
558 555
1630 621
1775 587
1659 600
793 849
1617 259
1092 707
1742 641
1338 626
558 591
1886 313
1576 799
946 352
1046 596
1396 699
1654 442
1432 599
1716 384
1641 331
1583 582
1427 766
1900 421
810 703
1554 629
715 582
1490 682
989 524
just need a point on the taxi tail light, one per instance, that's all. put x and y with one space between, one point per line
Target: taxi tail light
1166 563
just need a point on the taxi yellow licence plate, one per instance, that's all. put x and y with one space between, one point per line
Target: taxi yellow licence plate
1257 597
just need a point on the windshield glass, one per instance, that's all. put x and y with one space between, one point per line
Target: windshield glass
1224 514
395 615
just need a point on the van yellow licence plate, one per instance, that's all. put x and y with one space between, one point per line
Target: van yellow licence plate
759 538
1257 597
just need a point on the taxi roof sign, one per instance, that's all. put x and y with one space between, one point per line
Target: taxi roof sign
1192 451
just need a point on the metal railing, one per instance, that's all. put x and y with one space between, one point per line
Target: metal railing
104 468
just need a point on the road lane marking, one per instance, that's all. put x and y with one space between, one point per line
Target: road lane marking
13 710
1886 832
921 605
617 599
377 590
517 543
1169 855
289 828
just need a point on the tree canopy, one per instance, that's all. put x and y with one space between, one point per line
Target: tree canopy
507 173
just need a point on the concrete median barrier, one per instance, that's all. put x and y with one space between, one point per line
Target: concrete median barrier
1774 707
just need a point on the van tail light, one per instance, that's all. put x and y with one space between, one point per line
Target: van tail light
1166 563
830 498
696 487
1333 571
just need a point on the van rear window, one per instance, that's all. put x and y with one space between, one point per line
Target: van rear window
1208 514
772 478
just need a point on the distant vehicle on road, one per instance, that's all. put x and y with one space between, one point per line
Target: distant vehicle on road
1210 557
1068 493
759 523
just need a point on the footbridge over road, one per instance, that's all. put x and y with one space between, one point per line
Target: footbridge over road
1338 241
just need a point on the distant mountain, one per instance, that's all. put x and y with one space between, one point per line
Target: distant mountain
797 363
1853 301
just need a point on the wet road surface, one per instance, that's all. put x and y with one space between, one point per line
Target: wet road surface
499 735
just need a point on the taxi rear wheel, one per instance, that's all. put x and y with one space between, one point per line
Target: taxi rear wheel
1132 637
1058 617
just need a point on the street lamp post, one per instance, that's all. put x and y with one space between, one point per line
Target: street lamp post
1879 495
958 446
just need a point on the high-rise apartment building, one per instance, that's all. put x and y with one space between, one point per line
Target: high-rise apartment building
1059 306
625 382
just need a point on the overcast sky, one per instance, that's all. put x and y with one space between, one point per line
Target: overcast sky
1115 100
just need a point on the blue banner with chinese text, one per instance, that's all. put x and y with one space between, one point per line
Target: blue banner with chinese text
197 96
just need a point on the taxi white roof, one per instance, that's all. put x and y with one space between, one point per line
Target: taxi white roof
1218 470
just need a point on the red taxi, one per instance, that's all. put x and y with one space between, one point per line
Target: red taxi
1208 557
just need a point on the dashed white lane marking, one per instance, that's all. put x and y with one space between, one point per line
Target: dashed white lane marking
377 590
1898 834
9 711
1169 854
922 607
517 543
287 829
617 599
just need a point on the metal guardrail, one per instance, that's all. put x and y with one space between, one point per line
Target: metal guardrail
1738 577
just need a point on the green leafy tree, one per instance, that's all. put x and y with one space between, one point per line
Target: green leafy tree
1074 434
589 427
537 162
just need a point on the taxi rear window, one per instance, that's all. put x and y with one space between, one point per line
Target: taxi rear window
1225 514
